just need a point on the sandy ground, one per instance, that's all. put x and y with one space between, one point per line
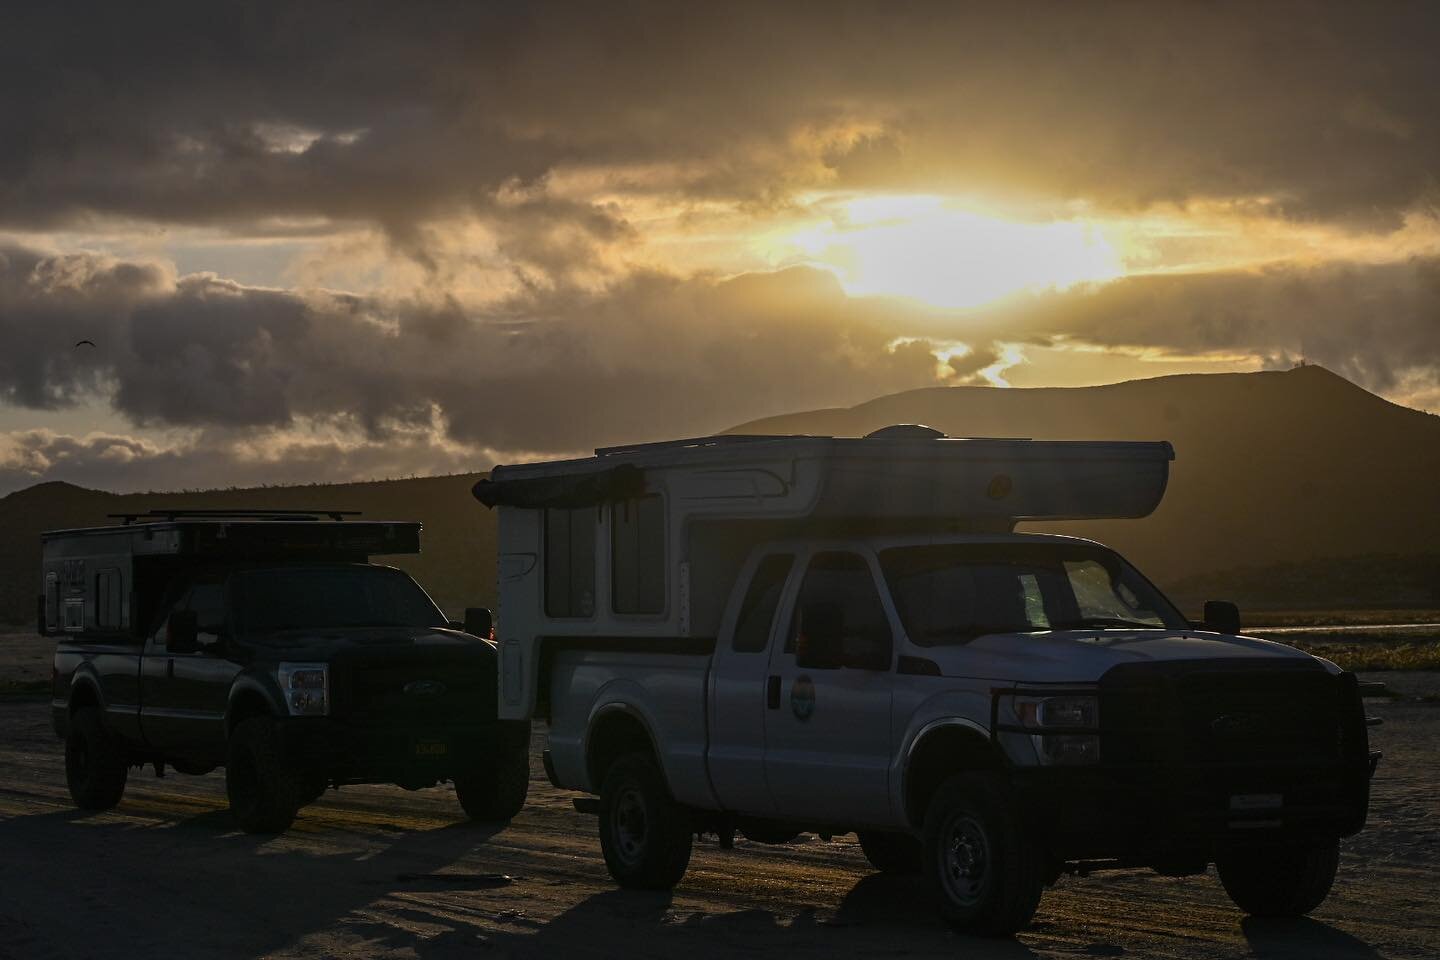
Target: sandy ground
167 875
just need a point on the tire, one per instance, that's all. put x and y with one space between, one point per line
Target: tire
985 873
645 835
95 763
496 795
887 852
264 788
1279 881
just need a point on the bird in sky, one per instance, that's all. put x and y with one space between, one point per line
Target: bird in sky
81 343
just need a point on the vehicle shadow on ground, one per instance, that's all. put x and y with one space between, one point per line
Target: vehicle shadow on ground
136 887
876 915
1301 939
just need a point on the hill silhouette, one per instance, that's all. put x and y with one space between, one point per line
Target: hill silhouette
1274 468
1289 489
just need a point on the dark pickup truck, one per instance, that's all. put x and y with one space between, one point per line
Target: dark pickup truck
267 643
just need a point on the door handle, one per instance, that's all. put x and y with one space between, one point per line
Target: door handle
772 693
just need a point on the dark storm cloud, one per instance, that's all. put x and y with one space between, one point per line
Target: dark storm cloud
399 114
654 355
1378 325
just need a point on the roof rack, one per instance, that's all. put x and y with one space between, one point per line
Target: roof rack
720 439
300 515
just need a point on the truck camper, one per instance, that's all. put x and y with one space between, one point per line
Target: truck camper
266 642
776 634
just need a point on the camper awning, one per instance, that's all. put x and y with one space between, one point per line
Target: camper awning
574 490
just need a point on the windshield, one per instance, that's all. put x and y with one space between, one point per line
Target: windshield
297 597
949 593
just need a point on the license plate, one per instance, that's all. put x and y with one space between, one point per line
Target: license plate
1256 801
429 749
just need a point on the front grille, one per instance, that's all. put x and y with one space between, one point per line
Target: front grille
416 687
1198 713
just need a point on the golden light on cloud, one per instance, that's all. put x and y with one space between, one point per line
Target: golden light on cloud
929 249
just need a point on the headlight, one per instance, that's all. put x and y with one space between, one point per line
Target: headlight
306 687
1048 720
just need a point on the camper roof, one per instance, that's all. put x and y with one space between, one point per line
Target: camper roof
905 470
253 533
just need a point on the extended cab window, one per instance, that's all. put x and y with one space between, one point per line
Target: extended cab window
757 611
637 555
838 587
570 561
951 593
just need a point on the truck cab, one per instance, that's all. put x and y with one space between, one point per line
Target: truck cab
846 635
268 643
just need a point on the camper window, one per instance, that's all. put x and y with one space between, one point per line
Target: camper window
570 561
107 600
752 629
637 555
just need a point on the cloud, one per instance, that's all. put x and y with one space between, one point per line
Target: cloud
367 112
558 369
1376 324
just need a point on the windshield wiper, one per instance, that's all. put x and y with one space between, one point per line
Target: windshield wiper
1083 622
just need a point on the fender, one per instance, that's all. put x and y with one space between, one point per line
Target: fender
86 678
948 708
261 685
627 697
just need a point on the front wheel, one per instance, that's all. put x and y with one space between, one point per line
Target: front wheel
1279 881
96 767
497 794
645 835
264 788
984 871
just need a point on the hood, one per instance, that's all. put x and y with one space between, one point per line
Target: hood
1081 656
325 643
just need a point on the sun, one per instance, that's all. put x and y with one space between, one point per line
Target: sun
928 249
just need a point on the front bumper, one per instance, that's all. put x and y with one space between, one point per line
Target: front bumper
413 755
1151 814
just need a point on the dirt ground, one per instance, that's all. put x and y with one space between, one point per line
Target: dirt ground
376 872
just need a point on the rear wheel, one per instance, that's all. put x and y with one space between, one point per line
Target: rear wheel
891 852
1279 881
264 788
498 793
985 873
645 835
96 767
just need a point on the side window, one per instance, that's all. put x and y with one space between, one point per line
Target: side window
207 599
840 585
52 601
108 607
757 610
637 555
570 561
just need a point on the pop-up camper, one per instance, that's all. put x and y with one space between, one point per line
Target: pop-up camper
768 635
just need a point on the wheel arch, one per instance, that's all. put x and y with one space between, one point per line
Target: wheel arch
248 698
943 748
616 730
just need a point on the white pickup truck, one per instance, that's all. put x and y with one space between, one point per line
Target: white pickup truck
773 635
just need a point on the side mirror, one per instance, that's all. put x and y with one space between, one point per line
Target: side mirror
182 632
1222 616
820 643
478 622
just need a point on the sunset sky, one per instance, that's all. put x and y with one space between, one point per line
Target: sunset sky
318 242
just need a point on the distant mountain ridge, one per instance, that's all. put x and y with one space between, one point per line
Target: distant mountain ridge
1279 470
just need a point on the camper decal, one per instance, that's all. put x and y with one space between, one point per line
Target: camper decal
802 697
